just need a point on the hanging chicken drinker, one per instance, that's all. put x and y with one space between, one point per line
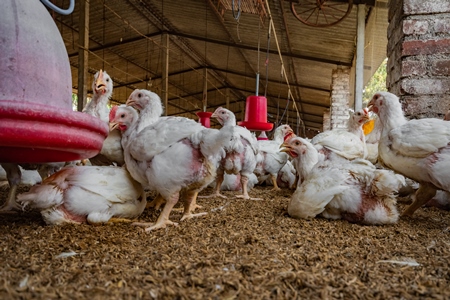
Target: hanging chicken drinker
321 13
37 122
256 109
205 118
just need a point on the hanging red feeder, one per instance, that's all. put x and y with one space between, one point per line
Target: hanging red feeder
205 118
37 123
256 114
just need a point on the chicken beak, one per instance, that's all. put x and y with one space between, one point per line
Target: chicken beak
113 125
370 106
100 84
133 103
285 148
214 115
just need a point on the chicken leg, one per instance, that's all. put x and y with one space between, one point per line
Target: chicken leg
425 192
244 183
163 218
274 182
190 205
13 174
219 180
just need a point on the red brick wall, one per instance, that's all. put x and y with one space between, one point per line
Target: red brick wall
419 56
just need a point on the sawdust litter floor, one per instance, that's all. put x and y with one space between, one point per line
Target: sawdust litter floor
239 250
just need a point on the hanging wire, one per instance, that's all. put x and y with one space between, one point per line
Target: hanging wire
103 37
258 60
236 14
283 70
267 59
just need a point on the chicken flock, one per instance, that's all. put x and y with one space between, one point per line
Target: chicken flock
345 174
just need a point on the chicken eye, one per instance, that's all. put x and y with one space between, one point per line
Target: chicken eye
107 79
139 95
222 112
122 115
376 97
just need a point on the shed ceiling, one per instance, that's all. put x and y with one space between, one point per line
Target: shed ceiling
215 49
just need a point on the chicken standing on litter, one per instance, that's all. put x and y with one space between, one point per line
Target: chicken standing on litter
111 152
352 190
170 155
418 149
271 159
240 156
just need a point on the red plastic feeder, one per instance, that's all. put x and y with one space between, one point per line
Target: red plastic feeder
37 123
256 114
205 118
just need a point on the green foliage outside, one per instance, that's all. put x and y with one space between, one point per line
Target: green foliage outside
376 83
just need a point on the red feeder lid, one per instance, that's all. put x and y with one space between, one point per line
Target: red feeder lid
36 133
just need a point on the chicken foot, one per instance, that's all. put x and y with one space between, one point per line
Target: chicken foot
425 192
219 180
163 218
274 182
119 220
190 205
11 205
244 183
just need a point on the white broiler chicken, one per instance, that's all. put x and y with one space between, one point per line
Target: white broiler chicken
271 160
287 176
418 149
169 155
92 194
344 143
111 152
240 157
352 190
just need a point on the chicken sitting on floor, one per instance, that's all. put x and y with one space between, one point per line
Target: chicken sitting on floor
92 194
240 157
352 190
419 149
271 159
165 156
111 152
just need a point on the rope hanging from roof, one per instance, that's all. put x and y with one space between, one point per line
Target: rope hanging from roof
290 95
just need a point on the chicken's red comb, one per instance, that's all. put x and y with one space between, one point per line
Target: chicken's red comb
112 112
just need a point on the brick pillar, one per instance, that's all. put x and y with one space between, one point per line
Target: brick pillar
419 56
340 94
326 120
